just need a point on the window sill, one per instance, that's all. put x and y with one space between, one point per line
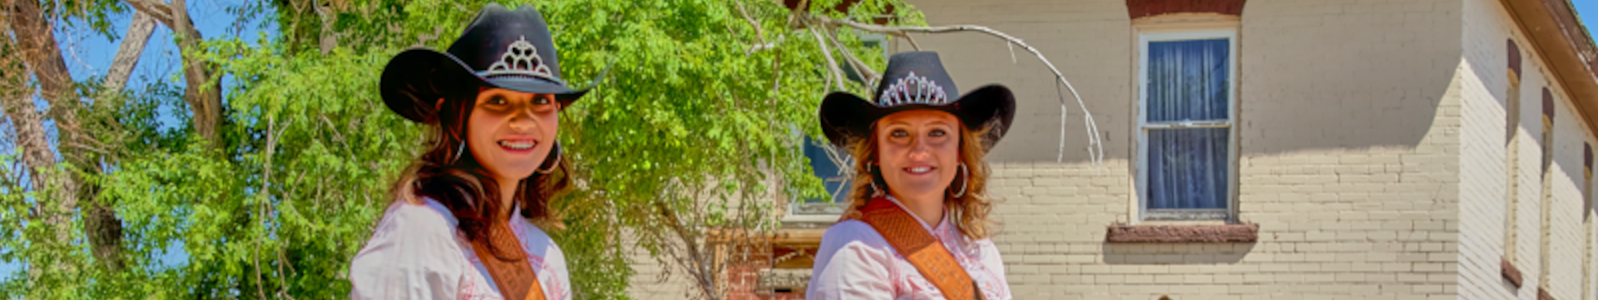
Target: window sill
1510 273
819 218
1224 233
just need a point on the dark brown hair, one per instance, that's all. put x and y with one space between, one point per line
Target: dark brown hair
459 182
971 210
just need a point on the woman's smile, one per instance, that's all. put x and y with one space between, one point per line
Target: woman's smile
920 169
518 145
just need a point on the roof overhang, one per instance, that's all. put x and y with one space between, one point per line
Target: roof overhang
1565 47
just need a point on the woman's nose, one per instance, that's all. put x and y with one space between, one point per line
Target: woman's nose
523 123
920 149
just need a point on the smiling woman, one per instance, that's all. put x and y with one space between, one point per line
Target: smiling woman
917 226
463 223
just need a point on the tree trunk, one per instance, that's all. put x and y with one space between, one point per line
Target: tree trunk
101 224
204 96
37 43
329 39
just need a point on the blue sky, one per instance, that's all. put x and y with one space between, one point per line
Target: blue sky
88 54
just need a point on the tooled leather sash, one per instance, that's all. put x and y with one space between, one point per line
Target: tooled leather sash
913 242
515 278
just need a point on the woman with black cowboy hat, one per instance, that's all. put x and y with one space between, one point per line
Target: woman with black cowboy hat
917 226
462 225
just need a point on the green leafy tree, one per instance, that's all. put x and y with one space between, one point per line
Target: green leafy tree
273 181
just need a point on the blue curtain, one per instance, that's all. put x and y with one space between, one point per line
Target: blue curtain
824 168
1188 81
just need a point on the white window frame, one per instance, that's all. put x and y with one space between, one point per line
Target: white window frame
796 204
1230 212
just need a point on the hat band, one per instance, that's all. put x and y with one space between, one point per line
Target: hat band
488 74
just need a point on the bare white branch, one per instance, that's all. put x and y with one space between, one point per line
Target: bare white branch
834 74
1097 148
156 9
133 44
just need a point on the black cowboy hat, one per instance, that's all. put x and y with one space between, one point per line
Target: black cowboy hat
916 80
510 49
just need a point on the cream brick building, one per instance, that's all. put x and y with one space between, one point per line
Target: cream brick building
1367 142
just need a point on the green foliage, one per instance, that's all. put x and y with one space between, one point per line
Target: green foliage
694 119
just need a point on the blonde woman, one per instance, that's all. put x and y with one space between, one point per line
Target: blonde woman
917 227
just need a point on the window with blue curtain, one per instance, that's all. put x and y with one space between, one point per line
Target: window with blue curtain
1187 124
824 168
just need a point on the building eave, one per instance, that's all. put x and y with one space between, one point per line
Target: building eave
1562 43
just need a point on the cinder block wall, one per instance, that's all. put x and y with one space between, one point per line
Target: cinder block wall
1349 151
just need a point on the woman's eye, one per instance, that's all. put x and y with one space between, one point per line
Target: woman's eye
899 133
497 100
936 133
541 100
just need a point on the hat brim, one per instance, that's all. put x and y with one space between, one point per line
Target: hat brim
847 118
416 79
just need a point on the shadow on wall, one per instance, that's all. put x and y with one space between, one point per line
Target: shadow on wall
1174 253
1296 91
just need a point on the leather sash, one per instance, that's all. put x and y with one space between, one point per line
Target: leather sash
919 247
515 279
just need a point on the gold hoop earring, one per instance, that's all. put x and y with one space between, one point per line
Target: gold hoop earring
964 175
554 165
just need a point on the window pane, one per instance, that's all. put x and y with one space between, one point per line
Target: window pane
823 167
1188 80
1188 168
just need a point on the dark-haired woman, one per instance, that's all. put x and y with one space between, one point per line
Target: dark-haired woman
918 223
462 225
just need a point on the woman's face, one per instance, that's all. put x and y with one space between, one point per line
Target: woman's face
511 132
918 152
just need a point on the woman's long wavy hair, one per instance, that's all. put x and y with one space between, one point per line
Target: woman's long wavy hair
971 210
448 173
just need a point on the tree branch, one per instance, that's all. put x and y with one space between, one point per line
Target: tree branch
42 55
155 9
834 74
330 39
37 43
868 76
133 43
203 95
1096 148
692 249
761 36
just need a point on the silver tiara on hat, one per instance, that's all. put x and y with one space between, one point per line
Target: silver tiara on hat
913 89
521 59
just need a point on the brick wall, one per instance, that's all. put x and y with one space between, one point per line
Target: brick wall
1486 25
1348 152
1483 86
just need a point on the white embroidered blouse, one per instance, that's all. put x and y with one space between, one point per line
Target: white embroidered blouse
855 262
417 253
